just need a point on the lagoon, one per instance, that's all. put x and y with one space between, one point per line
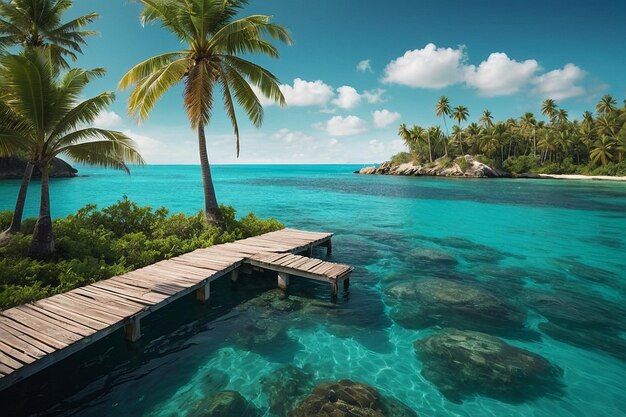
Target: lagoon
525 241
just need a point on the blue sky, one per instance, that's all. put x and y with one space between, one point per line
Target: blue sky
359 68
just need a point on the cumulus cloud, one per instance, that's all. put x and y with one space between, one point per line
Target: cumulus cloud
364 65
302 93
560 84
500 75
373 96
348 98
107 119
307 93
383 118
430 67
344 126
292 137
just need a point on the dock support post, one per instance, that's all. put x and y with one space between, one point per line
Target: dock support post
346 283
309 252
329 247
203 293
132 329
283 280
333 291
234 276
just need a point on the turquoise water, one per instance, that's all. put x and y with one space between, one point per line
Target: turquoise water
520 240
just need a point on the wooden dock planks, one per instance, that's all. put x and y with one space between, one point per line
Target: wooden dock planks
36 335
306 267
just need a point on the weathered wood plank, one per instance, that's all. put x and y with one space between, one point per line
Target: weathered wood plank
22 346
65 304
35 334
10 331
59 321
63 335
55 311
16 354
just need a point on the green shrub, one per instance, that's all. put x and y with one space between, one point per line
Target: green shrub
401 158
445 162
521 164
93 245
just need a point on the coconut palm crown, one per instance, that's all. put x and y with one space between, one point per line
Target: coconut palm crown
38 23
214 39
43 115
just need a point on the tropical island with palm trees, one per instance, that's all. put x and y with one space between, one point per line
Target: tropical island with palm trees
593 147
486 316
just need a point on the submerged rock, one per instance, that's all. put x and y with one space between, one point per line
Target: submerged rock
346 398
443 302
285 388
438 257
224 404
258 332
464 363
585 320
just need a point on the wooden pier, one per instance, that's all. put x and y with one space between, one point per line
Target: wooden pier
36 335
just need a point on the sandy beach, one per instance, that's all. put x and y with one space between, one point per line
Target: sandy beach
581 177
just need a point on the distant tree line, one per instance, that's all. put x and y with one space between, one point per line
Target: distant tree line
594 144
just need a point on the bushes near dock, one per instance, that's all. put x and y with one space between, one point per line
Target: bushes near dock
97 244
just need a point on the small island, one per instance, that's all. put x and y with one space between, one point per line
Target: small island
559 148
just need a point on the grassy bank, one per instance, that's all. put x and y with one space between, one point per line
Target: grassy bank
97 244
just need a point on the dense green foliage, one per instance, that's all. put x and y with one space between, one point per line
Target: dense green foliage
593 145
97 244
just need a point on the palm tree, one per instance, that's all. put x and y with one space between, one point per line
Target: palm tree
606 105
460 114
486 119
48 118
562 116
423 134
528 123
603 150
548 108
37 23
442 109
214 39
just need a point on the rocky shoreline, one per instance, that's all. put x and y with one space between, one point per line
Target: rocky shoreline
468 167
13 168
463 166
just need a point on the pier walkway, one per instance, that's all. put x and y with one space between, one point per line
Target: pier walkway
36 335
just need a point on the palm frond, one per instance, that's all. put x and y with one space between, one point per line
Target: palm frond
148 91
258 76
146 68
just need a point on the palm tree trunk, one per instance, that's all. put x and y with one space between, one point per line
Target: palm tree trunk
211 209
16 221
43 237
430 149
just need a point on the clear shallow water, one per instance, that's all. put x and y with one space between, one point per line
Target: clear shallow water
518 239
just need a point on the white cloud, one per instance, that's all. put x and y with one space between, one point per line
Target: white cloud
344 126
348 98
307 93
376 147
500 75
107 119
301 93
364 65
430 67
560 84
292 137
383 118
373 96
